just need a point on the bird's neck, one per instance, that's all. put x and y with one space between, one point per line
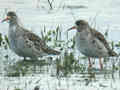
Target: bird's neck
83 29
14 22
13 25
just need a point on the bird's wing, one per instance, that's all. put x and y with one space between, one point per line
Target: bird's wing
38 43
104 41
101 38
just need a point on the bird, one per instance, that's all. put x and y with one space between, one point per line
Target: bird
90 42
24 42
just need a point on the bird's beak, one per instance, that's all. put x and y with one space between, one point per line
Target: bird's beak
74 27
7 18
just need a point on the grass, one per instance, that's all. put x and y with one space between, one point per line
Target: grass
60 67
65 64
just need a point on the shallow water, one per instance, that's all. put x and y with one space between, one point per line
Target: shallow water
36 14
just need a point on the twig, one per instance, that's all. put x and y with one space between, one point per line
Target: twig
50 4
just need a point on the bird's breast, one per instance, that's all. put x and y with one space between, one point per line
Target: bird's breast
12 36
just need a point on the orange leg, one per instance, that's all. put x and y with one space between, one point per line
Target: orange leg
90 64
101 65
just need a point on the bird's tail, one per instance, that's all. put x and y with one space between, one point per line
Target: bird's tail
112 53
53 52
50 51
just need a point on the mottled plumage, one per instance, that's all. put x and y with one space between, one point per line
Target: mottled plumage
90 42
103 40
25 43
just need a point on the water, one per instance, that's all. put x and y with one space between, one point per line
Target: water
34 15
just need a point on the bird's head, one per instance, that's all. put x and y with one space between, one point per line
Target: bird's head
80 25
11 17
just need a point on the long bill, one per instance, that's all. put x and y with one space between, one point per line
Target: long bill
74 27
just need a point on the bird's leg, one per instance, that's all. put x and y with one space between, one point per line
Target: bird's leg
100 62
90 65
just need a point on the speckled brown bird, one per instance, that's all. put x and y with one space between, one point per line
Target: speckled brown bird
25 43
90 42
